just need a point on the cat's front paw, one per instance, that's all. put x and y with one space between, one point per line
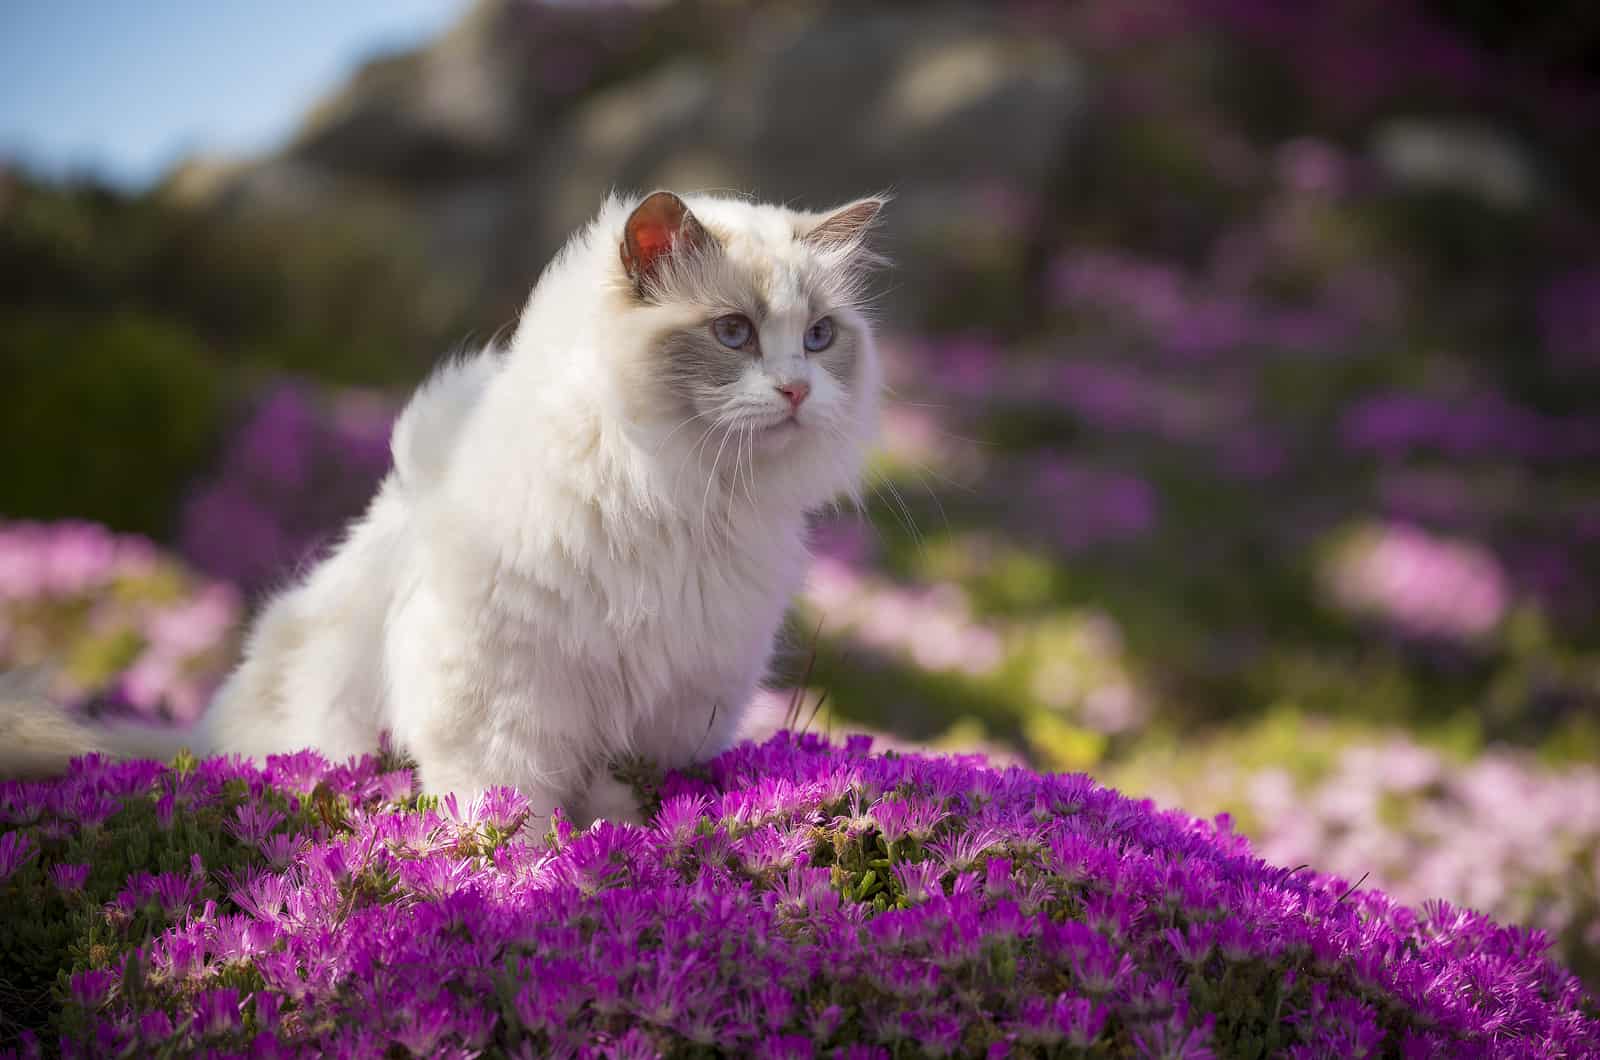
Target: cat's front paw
609 799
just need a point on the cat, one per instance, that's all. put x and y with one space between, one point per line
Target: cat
590 537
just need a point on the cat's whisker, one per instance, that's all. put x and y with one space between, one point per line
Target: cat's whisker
933 495
738 470
750 483
855 494
883 486
711 480
904 511
738 467
749 489
917 469
693 450
891 397
675 430
715 420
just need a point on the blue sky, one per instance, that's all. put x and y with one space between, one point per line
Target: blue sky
124 88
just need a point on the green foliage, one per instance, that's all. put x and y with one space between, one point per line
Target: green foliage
349 296
51 934
112 417
128 325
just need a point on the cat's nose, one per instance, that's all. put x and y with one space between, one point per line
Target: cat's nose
796 392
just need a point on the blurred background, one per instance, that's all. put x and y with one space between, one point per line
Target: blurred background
1245 357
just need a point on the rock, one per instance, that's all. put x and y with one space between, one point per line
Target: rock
487 137
1470 158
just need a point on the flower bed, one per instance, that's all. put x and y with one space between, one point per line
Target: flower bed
788 899
305 462
1502 832
115 622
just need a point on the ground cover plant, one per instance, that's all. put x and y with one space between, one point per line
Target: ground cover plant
793 898
109 622
1497 831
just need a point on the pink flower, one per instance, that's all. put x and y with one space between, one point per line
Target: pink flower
1421 583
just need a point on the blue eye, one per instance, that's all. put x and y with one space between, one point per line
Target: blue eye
734 330
819 336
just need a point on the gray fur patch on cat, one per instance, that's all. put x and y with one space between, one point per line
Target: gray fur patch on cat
694 366
839 360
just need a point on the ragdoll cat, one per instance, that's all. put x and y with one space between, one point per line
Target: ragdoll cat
589 539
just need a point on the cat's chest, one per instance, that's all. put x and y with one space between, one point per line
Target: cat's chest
699 597
679 603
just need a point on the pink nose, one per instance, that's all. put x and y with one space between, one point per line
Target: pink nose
796 392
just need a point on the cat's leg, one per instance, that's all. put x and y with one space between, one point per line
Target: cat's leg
677 735
692 728
247 715
457 754
311 676
467 726
609 799
300 685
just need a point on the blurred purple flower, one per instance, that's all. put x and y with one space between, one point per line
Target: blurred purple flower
1569 319
299 469
1482 425
1502 833
1422 584
970 366
1313 167
846 540
1185 317
931 625
107 614
1089 505
1153 294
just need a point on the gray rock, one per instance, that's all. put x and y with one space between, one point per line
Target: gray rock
1471 158
813 109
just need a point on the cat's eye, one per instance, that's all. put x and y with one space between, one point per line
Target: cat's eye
819 336
734 330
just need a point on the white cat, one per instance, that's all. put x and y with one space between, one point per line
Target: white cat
589 539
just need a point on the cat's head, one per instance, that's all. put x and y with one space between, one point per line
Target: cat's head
751 361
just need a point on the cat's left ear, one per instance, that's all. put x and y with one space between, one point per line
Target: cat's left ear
847 226
659 227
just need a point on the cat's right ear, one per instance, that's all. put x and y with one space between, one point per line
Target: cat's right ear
658 228
848 225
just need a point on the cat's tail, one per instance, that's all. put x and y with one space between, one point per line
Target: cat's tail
38 738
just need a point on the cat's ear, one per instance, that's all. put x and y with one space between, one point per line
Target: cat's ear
848 225
659 227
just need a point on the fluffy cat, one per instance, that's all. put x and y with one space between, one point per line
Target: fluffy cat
589 538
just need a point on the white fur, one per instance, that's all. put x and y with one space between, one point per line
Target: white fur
560 569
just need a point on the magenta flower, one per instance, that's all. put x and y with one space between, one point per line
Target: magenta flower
69 878
94 987
765 909
16 850
898 819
